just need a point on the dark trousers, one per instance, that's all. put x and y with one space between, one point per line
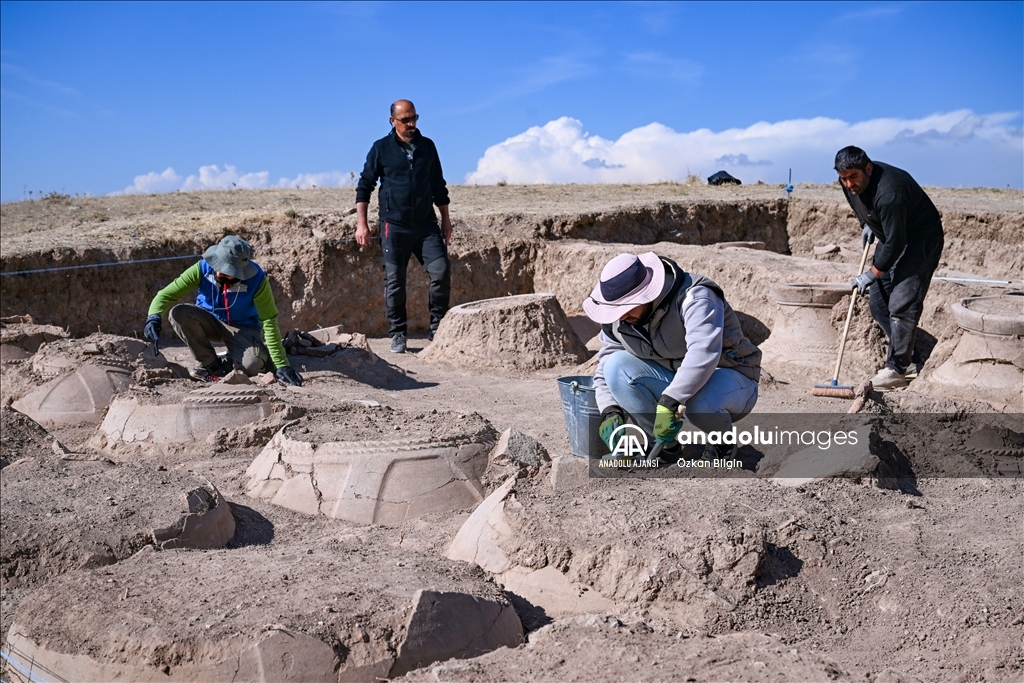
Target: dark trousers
897 300
430 250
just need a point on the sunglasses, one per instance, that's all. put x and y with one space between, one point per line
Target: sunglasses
409 119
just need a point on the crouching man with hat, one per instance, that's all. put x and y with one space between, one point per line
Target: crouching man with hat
234 306
671 346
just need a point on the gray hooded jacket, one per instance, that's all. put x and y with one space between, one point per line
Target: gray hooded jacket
691 330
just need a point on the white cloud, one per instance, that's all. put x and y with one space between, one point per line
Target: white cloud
213 178
954 148
154 182
327 179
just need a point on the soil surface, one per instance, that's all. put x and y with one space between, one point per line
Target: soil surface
702 579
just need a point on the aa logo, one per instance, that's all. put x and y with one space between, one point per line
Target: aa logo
630 442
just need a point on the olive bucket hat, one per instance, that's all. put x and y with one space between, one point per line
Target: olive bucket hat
232 256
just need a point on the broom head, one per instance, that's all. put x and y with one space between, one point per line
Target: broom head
833 390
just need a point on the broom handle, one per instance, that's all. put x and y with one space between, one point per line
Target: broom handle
849 316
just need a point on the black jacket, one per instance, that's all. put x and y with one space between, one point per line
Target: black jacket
409 187
898 212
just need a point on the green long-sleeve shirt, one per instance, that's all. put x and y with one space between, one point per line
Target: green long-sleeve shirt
263 300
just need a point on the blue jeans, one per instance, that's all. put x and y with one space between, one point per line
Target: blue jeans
637 384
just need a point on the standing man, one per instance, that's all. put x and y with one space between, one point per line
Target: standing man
411 184
670 345
893 208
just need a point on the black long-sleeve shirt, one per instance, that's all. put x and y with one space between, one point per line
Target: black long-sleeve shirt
897 210
411 181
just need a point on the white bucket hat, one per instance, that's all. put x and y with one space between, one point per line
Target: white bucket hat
627 281
233 257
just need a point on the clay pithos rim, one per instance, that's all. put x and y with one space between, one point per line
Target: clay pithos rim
471 307
813 294
970 314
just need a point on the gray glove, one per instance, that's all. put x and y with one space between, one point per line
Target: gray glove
153 328
863 281
867 236
286 374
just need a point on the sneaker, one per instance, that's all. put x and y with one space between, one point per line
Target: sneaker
398 343
887 378
669 455
725 451
913 371
222 366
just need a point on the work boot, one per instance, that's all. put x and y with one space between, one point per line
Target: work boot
398 343
888 378
724 451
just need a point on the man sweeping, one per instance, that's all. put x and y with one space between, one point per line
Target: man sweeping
671 347
234 306
893 209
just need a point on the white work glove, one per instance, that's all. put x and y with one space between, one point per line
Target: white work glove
863 281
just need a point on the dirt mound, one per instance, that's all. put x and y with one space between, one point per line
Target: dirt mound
20 337
354 421
188 617
23 437
104 514
525 332
611 646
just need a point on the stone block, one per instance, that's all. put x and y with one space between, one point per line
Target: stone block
569 472
208 523
516 447
297 493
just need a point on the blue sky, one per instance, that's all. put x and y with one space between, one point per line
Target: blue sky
110 97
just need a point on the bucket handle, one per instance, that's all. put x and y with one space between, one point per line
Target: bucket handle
574 387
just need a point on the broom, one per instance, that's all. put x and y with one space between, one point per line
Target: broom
834 389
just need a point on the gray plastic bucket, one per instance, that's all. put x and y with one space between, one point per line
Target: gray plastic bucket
582 418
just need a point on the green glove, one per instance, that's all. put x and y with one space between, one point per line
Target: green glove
613 419
666 427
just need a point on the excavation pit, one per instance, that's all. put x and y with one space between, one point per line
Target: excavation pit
674 557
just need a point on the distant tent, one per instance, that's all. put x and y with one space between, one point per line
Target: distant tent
723 178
